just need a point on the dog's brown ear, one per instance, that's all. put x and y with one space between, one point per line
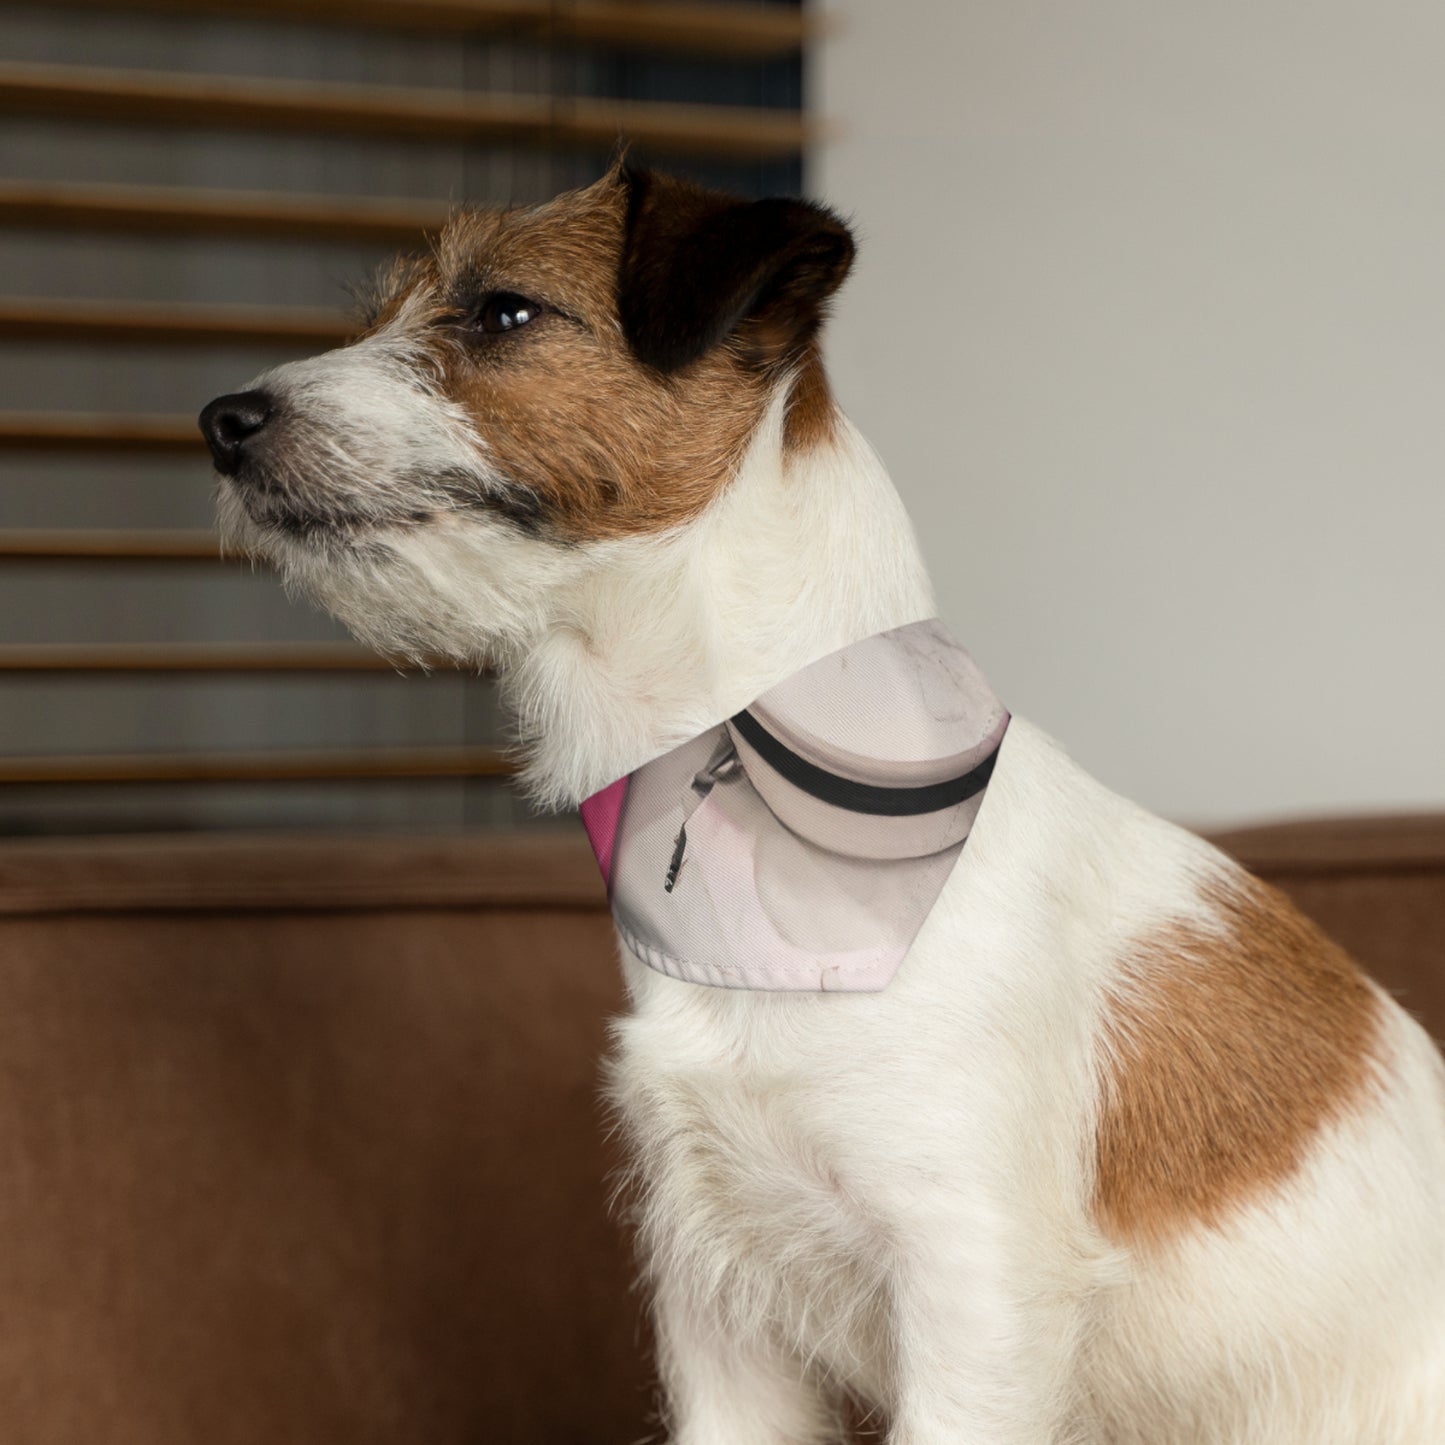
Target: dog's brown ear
698 267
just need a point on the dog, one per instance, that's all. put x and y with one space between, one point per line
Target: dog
1126 1152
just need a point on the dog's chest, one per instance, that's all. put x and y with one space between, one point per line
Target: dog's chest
747 1182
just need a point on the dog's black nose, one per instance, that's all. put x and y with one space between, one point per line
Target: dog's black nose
229 422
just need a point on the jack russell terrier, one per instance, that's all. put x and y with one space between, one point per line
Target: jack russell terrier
972 1093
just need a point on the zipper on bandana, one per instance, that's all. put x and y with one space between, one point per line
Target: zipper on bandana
721 767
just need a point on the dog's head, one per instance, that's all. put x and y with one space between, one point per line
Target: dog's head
546 383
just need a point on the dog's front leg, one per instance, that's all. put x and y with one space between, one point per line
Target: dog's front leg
722 1389
986 1342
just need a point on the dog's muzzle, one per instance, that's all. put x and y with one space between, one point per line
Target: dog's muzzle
231 424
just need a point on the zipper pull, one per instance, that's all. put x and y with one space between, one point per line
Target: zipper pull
675 867
722 767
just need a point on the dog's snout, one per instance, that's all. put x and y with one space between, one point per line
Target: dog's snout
229 422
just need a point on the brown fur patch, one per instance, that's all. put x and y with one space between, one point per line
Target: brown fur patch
1226 1053
592 441
600 445
812 417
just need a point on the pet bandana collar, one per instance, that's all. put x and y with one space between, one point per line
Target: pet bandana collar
801 844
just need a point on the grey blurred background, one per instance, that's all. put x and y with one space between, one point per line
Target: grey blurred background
1149 325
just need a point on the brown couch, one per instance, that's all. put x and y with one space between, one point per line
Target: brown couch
299 1139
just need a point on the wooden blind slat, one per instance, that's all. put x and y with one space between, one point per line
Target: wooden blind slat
331 765
171 323
171 210
756 32
79 544
223 102
83 431
187 657
704 29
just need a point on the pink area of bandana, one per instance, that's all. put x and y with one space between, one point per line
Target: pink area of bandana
600 815
800 844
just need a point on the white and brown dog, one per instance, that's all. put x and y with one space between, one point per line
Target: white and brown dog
1126 1152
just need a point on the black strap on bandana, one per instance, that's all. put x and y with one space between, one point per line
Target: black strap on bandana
861 797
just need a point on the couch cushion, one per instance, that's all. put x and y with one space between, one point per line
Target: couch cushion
301 1137
301 1142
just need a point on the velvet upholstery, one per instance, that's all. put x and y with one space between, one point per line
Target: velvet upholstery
300 1137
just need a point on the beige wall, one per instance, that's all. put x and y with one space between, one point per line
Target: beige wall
1149 324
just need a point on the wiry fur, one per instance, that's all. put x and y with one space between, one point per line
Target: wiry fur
897 1196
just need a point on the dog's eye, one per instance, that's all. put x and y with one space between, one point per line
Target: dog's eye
505 311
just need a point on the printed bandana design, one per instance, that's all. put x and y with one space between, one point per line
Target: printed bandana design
801 844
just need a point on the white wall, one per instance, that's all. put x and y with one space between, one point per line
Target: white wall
1149 324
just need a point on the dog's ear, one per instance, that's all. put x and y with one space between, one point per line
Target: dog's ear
698 267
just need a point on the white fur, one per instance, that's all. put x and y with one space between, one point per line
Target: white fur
889 1194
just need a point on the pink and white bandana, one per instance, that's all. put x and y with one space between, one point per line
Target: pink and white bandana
801 844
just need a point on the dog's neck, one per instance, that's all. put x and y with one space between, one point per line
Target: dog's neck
663 637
